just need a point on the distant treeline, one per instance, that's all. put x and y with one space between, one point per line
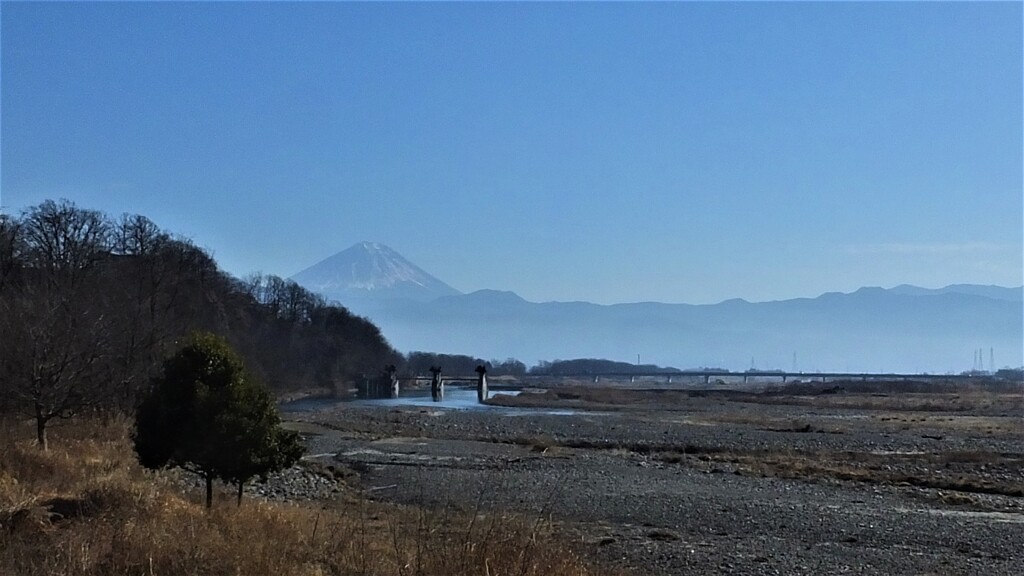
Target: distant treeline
90 306
596 366
418 363
1010 374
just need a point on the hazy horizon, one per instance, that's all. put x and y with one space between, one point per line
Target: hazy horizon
728 298
683 152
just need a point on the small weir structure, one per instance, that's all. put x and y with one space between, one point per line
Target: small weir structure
389 385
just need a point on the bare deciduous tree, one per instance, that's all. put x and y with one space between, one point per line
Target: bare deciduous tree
57 333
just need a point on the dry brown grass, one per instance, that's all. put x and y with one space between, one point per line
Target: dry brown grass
86 507
926 470
762 421
955 423
944 470
974 401
968 400
881 420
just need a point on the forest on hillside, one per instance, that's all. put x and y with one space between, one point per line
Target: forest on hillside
90 306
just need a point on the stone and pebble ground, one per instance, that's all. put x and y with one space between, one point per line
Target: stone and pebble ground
601 477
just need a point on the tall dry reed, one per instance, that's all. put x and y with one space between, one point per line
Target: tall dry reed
85 507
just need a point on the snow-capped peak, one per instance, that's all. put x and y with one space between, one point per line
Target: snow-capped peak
372 269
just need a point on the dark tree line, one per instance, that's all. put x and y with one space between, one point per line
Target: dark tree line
419 363
303 341
595 366
90 306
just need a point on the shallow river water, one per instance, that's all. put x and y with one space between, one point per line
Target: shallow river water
455 398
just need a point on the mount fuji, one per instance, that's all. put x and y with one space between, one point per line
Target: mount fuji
371 271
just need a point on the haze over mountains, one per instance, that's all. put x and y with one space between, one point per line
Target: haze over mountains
902 329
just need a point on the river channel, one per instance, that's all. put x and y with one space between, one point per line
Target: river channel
455 398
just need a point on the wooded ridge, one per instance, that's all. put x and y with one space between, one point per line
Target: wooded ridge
90 305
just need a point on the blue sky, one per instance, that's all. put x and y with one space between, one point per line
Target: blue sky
686 152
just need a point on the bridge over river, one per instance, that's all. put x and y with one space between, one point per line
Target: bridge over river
389 387
706 376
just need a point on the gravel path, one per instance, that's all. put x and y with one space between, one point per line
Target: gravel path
601 478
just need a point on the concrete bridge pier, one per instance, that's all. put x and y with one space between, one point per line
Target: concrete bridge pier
481 383
436 385
392 374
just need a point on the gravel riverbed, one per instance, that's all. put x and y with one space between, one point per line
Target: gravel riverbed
680 489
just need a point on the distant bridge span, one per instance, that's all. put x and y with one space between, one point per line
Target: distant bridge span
707 375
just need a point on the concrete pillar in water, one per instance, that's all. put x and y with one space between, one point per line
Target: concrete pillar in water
436 387
392 373
481 383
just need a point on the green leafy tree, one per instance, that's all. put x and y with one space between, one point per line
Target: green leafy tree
259 446
206 415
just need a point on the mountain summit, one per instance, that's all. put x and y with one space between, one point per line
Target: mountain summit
369 270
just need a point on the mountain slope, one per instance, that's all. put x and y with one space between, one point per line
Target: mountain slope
870 330
902 329
997 292
373 271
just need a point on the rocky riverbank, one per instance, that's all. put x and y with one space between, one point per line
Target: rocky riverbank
708 485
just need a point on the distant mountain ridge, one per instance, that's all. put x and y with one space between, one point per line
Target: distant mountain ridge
905 328
369 270
989 291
